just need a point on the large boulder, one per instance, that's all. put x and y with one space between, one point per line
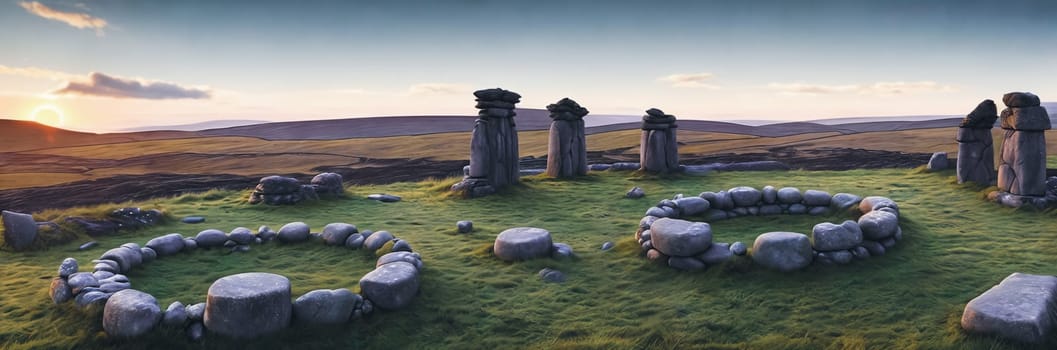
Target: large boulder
1021 99
325 306
337 233
291 233
130 313
522 243
377 240
814 198
248 305
211 238
329 184
690 206
745 196
1020 308
20 230
844 201
872 203
782 251
877 225
241 235
167 245
828 236
391 286
675 237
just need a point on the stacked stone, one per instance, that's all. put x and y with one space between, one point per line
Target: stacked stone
976 152
328 184
1022 170
567 149
659 151
494 146
278 190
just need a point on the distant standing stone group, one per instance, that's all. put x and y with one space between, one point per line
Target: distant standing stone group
659 151
494 145
567 147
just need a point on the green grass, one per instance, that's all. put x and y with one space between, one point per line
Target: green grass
956 246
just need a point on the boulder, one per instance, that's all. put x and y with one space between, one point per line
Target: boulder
193 220
691 206
67 267
770 209
550 275
126 258
354 241
789 195
20 230
400 245
241 235
675 237
878 225
130 313
635 193
1020 99
377 240
828 236
324 306
175 315
739 248
190 244
717 254
386 198
875 248
782 251
1020 308
814 198
797 209
408 257
196 312
769 195
844 201
290 233
656 212
391 286
561 251
872 203
60 291
211 238
337 233
723 201
328 184
523 243
248 305
167 245
745 196
148 254
938 162
464 226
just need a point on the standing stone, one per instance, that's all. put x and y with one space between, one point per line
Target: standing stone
248 305
658 152
976 152
494 157
1022 170
130 313
567 149
20 230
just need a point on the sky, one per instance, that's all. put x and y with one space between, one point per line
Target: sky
115 64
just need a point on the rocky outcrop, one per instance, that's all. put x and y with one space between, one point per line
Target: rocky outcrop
493 146
1022 169
976 152
659 152
567 147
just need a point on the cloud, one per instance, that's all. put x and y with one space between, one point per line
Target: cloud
36 73
99 84
73 19
425 89
882 88
695 80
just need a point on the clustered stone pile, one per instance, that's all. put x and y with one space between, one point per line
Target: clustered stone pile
686 245
279 190
659 151
244 305
494 159
567 146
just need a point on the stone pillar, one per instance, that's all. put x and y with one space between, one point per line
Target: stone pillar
567 149
659 152
976 151
494 146
1022 170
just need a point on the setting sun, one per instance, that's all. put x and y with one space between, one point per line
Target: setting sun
48 115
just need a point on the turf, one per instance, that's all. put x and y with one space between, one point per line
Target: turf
956 246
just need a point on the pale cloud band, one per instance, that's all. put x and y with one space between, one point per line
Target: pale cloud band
99 84
425 89
73 19
878 88
694 80
35 73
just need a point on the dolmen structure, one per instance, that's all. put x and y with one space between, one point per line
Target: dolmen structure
493 146
567 147
1022 166
976 151
659 151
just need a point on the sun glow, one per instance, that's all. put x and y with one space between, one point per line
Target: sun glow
48 108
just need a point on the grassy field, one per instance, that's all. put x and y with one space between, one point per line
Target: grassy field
956 246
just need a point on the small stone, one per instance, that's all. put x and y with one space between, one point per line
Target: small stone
860 253
230 244
656 256
290 233
875 248
265 233
938 162
148 254
386 198
877 225
241 235
60 291
190 244
464 226
692 206
717 254
769 195
844 201
196 312
88 245
130 313
738 248
797 209
400 245
828 236
635 193
81 280
175 315
67 267
841 256
377 240
550 275
193 220
607 245
561 251
211 238
106 265
888 243
167 245
818 211
354 241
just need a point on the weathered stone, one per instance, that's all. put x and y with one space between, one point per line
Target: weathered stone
872 203
377 240
686 263
656 212
716 254
60 291
819 210
828 236
88 245
193 220
550 275
20 230
813 198
464 226
888 243
167 245
175 315
241 235
844 201
1020 308
190 244
567 149
354 241
860 253
386 198
1022 166
113 287
770 209
738 248
329 184
745 196
878 225
790 195
148 254
324 306
126 258
656 256
875 248
797 209
337 233
841 257
938 162
675 237
691 206
523 243
211 238
400 245
976 155
106 265
391 286
561 251
130 313
248 305
196 312
982 117
408 257
782 251
1021 99
290 233
723 201
67 267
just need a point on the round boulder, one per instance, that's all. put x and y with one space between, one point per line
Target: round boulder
408 257
211 238
877 225
872 203
175 315
337 233
813 198
290 233
167 245
675 237
464 226
828 236
782 251
329 183
354 241
60 292
391 286
325 306
130 313
789 195
241 235
690 206
745 196
67 267
523 243
377 240
248 305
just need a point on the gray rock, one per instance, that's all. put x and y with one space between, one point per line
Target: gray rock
723 201
100 275
523 243
656 212
1019 308
782 251
91 297
114 278
797 209
647 246
789 195
769 195
561 251
646 221
770 209
599 167
875 248
211 238
745 196
635 193
400 245
656 256
888 243
193 220
337 233
738 248
67 267
607 245
817 211
107 265
877 225
248 305
386 198
135 253
646 235
88 245
366 234
20 230
113 287
938 162
408 257
391 286
195 331
898 236
265 233
196 312
81 280
60 291
464 226
675 237
813 198
717 254
325 306
691 206
167 245
175 315
1022 165
130 313
686 263
230 244
190 244
860 253
328 184
841 257
550 275
1020 99
241 235
844 201
377 240
354 241
715 215
289 233
828 236
872 203
148 254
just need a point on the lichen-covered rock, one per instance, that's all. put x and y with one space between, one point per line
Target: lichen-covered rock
782 251
523 243
675 237
248 305
377 240
324 306
391 286
130 313
1020 308
60 291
